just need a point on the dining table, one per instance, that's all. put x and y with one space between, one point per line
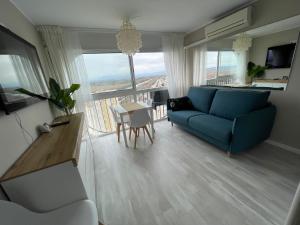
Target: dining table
126 108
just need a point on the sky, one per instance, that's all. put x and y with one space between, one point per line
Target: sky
115 66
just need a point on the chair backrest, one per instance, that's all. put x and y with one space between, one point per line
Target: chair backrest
114 113
139 118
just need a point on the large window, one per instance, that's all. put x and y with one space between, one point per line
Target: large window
149 70
116 71
220 64
108 72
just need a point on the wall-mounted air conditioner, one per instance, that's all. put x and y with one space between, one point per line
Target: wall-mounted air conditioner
228 24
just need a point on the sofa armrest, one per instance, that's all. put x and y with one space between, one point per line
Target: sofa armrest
251 129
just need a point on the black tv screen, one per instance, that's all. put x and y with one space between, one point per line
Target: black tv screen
280 56
19 68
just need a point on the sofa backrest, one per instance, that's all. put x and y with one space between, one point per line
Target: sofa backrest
231 103
201 97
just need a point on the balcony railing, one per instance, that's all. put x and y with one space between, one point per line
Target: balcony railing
99 117
221 80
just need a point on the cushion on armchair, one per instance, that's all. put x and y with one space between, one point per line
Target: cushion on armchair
230 104
183 103
212 126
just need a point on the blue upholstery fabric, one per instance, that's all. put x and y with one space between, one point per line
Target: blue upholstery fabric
230 104
237 119
182 116
252 128
215 127
201 97
211 140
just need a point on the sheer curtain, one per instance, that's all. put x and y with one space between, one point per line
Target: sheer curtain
26 74
66 65
199 65
174 57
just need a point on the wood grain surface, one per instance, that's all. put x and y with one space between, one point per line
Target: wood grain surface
180 179
60 145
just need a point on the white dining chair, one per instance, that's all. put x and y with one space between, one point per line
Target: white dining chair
139 120
117 120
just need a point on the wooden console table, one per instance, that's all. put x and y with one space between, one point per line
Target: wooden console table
54 171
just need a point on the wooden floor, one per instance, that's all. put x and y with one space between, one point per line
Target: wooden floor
183 180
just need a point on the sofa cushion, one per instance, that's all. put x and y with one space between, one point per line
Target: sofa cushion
201 97
182 116
212 126
231 103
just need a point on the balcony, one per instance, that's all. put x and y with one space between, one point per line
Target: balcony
99 117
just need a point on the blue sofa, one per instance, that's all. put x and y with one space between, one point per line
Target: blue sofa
231 119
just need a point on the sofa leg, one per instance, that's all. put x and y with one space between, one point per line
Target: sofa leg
229 154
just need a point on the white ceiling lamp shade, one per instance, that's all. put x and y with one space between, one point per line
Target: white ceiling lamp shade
242 43
129 40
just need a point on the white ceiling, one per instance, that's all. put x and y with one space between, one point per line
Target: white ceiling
149 15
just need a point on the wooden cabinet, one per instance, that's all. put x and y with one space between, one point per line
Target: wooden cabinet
56 170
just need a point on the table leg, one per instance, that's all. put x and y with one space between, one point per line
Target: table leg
124 131
152 122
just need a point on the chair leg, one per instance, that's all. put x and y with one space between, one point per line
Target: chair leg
118 131
172 124
130 129
148 134
135 137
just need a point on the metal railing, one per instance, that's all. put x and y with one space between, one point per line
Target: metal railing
221 80
99 117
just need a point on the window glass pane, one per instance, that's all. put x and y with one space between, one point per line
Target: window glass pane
108 71
211 64
227 63
149 70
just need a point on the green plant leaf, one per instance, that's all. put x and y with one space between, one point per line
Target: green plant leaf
72 89
61 98
54 88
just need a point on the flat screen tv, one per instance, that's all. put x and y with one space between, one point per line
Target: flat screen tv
280 56
19 68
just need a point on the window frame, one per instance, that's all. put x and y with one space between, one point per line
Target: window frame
218 59
122 92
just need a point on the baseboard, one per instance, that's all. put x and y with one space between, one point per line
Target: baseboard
284 146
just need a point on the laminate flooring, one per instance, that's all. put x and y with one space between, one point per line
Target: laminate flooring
180 179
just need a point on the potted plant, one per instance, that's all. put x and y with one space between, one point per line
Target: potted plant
255 71
61 98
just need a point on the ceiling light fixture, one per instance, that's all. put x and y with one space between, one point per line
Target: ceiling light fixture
242 43
129 40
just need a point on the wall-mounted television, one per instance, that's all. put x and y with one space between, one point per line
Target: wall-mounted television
19 68
280 56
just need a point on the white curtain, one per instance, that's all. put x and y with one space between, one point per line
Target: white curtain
26 74
174 57
199 65
241 70
66 65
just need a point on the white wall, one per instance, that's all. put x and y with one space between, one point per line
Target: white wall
12 141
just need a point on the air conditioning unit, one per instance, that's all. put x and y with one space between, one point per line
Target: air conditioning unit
229 24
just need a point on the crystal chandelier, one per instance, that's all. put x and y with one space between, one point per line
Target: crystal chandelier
129 40
242 43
